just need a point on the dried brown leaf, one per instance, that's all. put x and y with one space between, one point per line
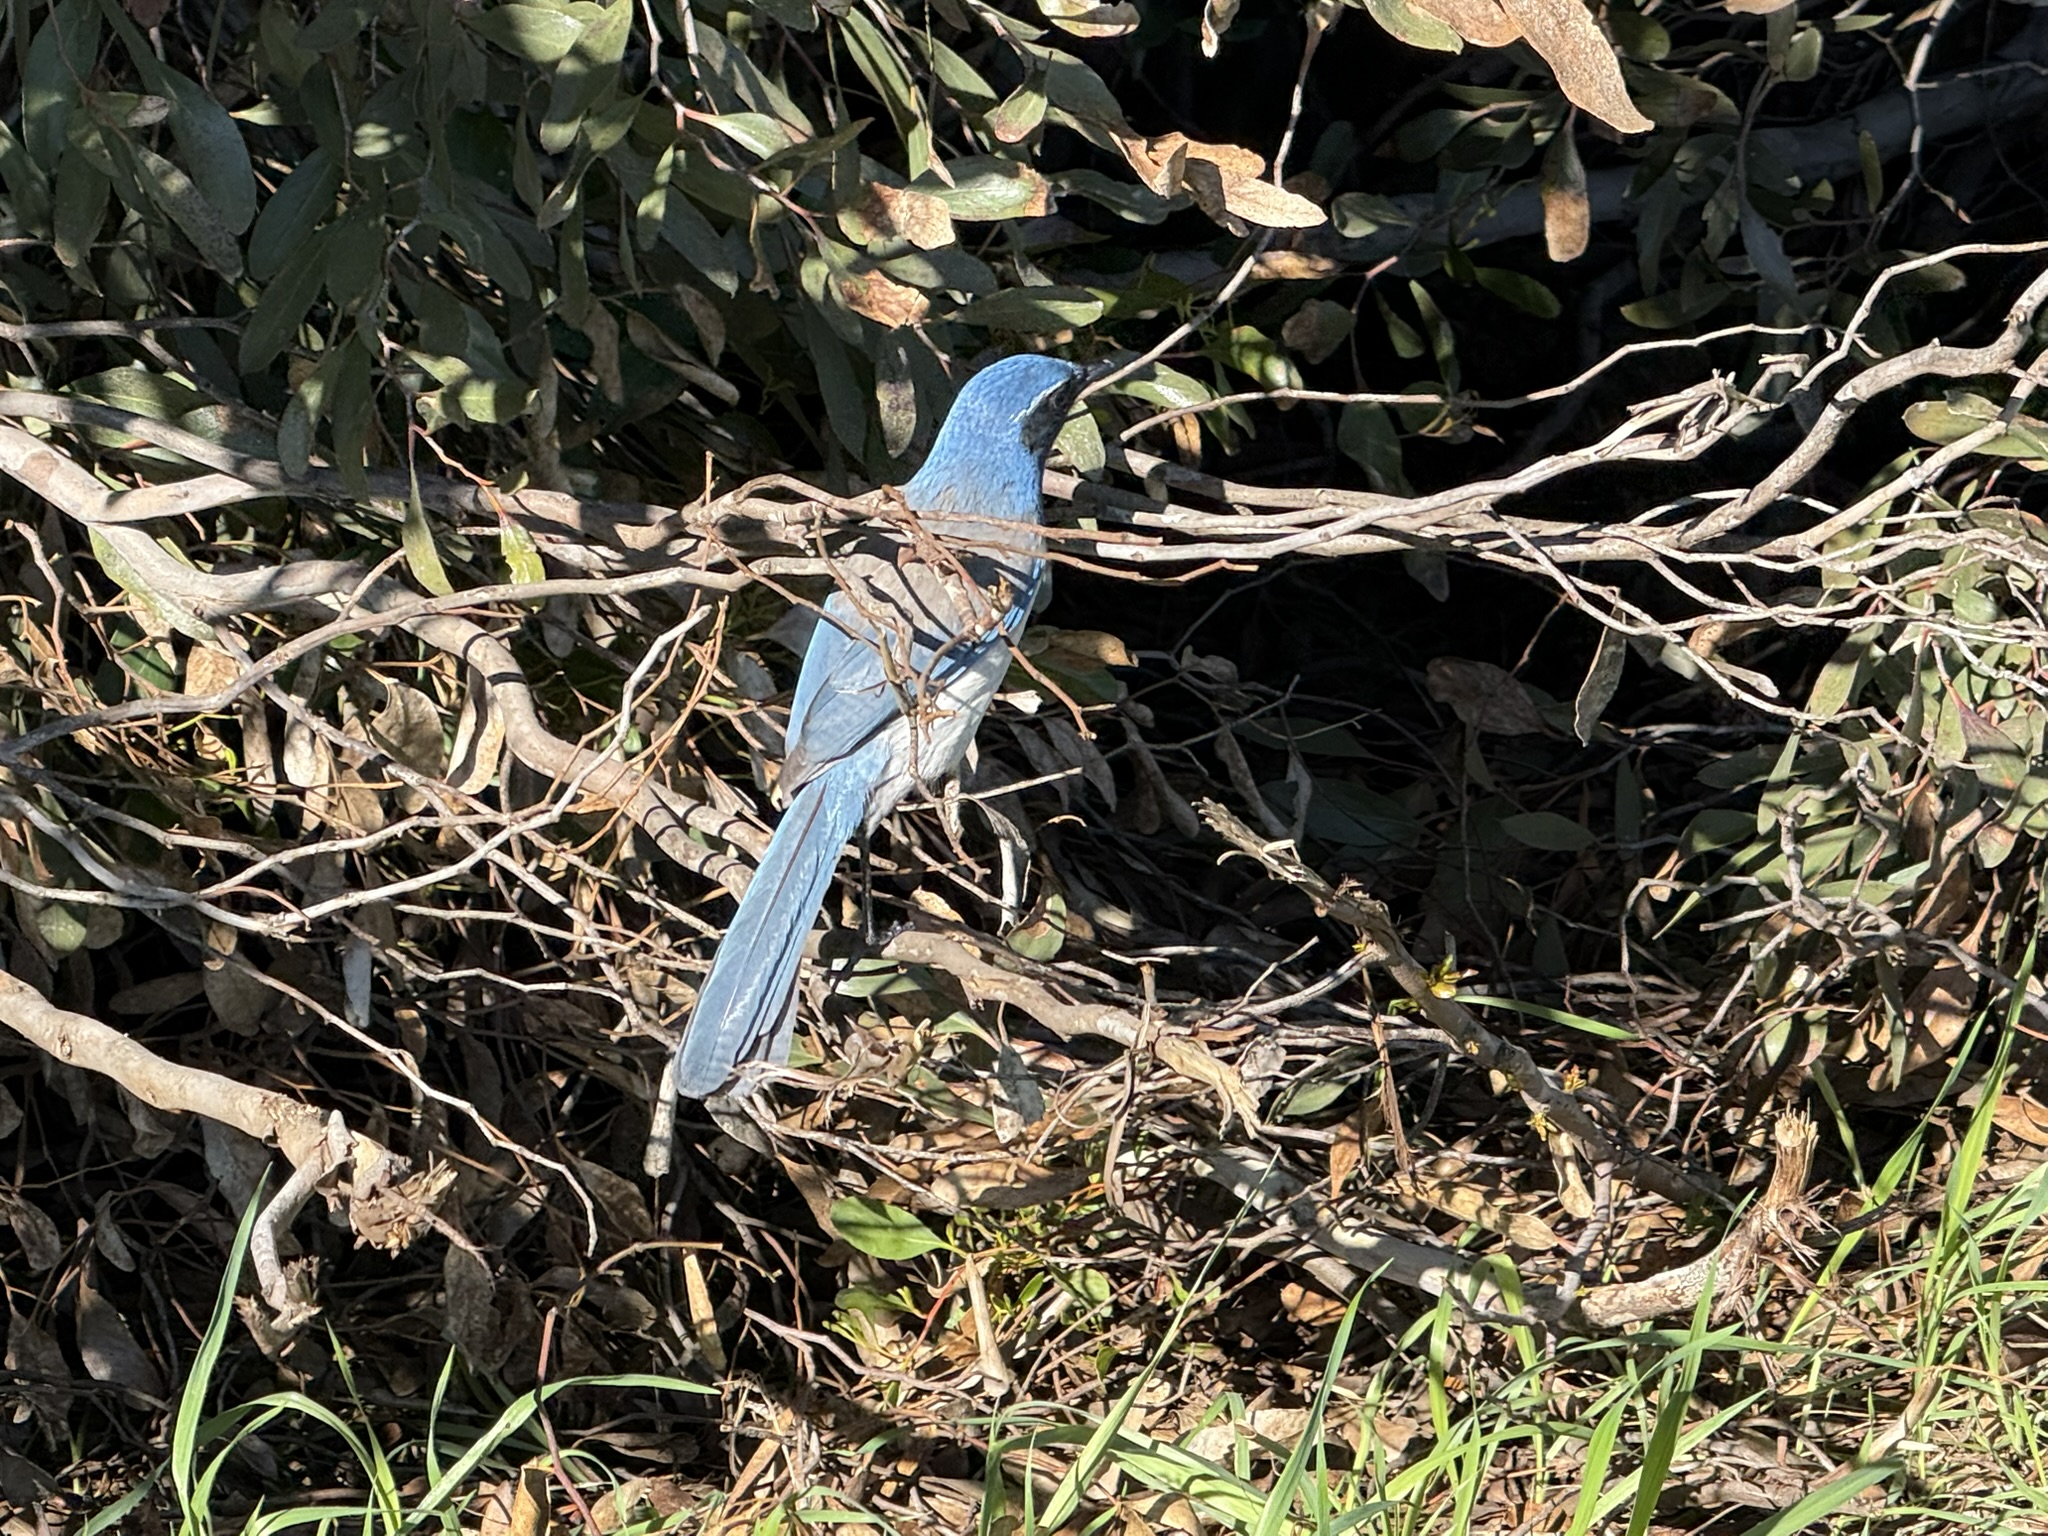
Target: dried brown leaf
1159 162
1217 15
41 1244
469 1320
1311 1309
618 1200
108 1349
208 670
2020 1114
918 217
1581 57
40 1374
1260 202
479 739
882 299
1293 267
1567 211
409 728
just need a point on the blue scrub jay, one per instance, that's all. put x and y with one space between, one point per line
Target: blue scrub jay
896 678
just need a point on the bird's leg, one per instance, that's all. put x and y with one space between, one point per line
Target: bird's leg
867 895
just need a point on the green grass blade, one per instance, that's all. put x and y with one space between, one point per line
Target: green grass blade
198 1379
1824 1500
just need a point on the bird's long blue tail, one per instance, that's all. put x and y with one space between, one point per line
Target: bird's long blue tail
747 995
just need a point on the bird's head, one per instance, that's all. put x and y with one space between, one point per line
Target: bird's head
1018 404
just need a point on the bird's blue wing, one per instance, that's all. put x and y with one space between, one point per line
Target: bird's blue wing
843 697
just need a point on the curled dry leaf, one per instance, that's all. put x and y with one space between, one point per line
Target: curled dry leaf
1225 181
479 739
1217 15
392 1216
1581 57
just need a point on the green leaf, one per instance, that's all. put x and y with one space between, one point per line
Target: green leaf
1310 1098
846 403
421 557
755 131
167 612
586 74
983 187
300 202
215 155
76 213
1546 830
1034 310
191 210
352 256
1413 27
60 927
1406 341
882 1231
522 556
339 23
1602 678
875 59
1668 311
1358 214
1080 440
1961 412
1367 435
1839 680
1524 292
278 313
1576 1021
1718 828
684 227
1043 936
1256 355
60 58
1018 115
1343 811
354 411
540 34
1836 1493
26 183
1164 386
